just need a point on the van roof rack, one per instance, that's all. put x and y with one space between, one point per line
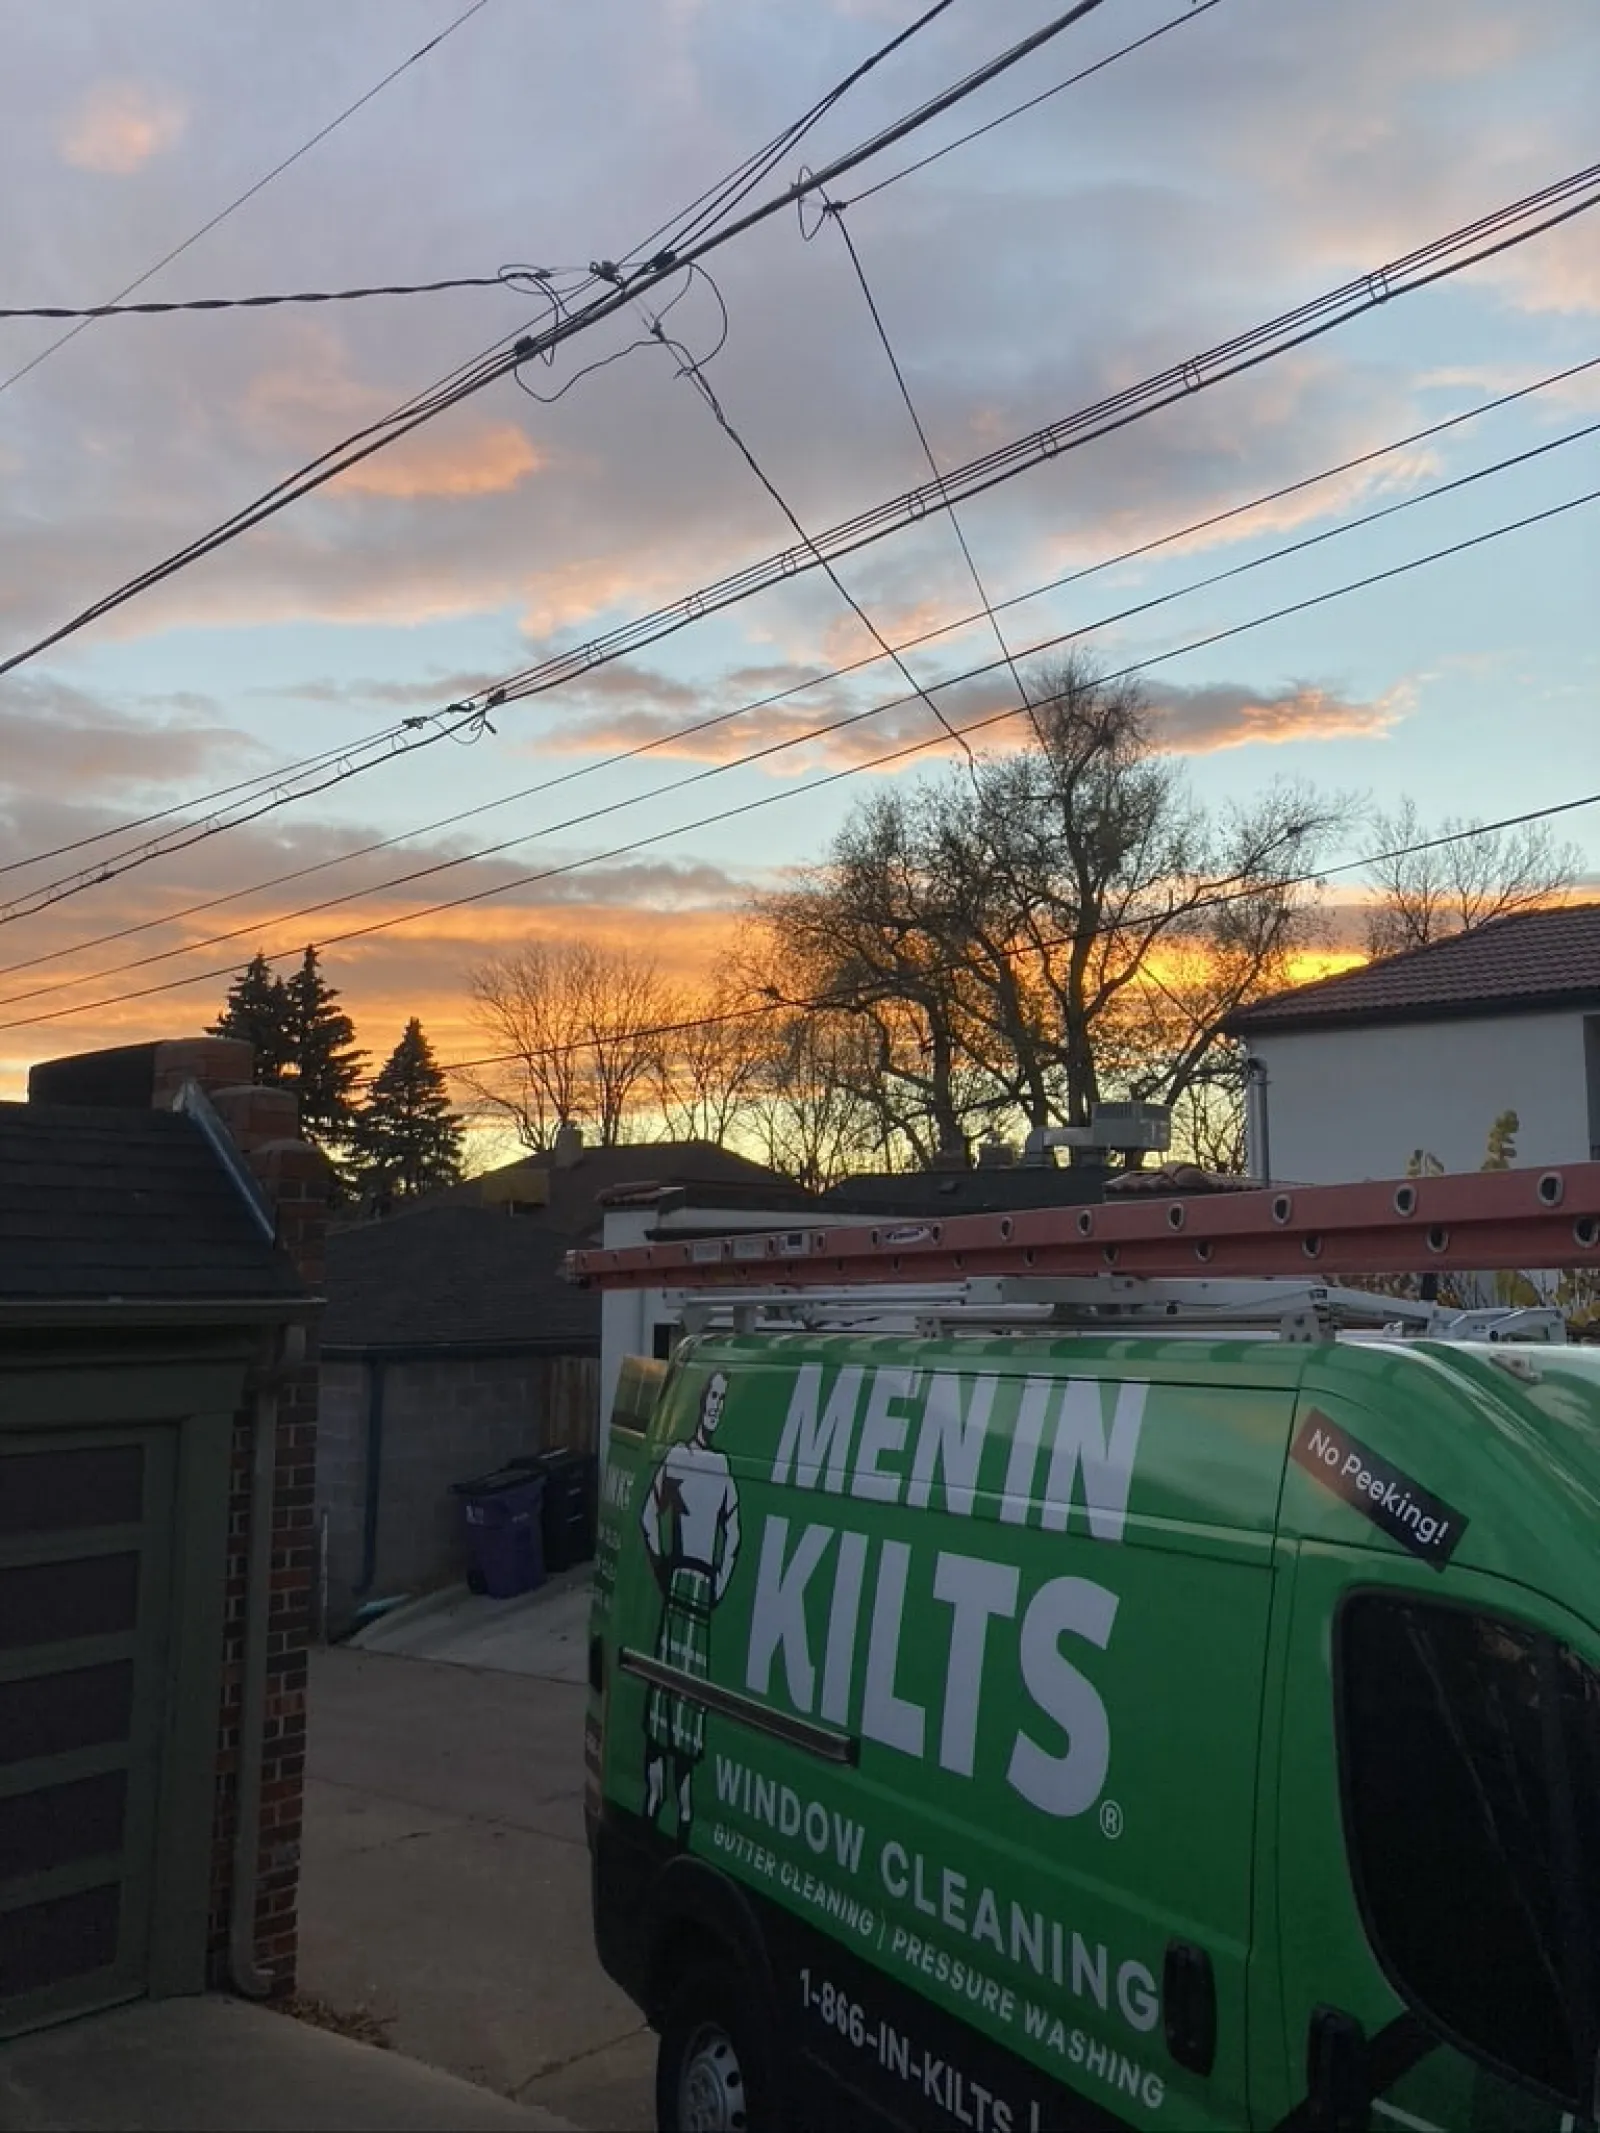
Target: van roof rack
1296 1310
1235 1259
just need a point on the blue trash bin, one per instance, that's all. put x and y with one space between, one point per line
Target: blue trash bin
502 1519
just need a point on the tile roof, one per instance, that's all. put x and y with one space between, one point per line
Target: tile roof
99 1203
1534 959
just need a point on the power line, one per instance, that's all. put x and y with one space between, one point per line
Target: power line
702 211
491 696
622 289
814 785
416 733
255 303
696 375
253 783
1134 611
1176 22
834 211
1178 382
250 191
762 161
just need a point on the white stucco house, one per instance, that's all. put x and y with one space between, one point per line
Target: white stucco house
1425 1050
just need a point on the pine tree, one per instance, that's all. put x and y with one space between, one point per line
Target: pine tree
407 1139
257 1010
325 1064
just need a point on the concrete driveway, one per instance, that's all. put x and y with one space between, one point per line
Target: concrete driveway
211 2065
445 1882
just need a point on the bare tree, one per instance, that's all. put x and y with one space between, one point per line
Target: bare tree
1033 931
864 935
707 1069
814 1123
577 1023
1425 896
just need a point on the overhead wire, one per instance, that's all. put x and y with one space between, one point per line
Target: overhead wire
691 369
487 696
1162 29
253 783
1178 382
1133 611
708 203
720 200
834 212
250 191
811 786
416 733
622 290
254 303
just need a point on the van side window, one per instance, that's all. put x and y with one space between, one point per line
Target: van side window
1470 1754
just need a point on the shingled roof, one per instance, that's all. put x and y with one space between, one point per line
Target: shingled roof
572 1193
1533 961
101 1205
464 1271
452 1277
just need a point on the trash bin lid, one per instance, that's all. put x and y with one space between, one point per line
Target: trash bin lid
495 1484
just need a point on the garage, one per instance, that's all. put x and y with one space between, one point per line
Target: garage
141 1287
85 1575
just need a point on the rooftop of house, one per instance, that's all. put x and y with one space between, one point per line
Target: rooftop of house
563 1189
101 1204
478 1266
455 1276
1530 962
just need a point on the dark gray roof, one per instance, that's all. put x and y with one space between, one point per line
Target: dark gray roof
574 1188
1528 963
99 1203
452 1276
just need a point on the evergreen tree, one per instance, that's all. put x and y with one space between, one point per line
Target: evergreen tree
407 1139
257 1010
325 1064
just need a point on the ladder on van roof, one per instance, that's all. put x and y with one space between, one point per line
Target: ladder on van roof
1186 1260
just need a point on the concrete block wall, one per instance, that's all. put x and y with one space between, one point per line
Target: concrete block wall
444 1420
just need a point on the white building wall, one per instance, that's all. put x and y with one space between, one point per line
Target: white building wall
1346 1104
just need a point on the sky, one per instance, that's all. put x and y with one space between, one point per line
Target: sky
1256 155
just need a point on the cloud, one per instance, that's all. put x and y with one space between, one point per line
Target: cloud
117 127
498 457
302 403
58 740
1201 719
679 908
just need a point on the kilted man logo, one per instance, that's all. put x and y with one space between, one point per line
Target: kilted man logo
691 1529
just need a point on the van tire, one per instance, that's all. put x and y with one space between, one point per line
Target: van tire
715 2066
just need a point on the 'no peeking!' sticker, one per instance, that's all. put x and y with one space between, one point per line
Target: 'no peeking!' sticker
1420 1521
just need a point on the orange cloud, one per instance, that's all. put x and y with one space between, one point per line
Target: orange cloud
119 126
314 395
493 459
1199 721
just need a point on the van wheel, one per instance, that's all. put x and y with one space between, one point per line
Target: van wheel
714 2065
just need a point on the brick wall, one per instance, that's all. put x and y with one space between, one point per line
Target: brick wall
444 1421
295 1179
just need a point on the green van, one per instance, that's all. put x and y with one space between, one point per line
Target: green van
1018 1732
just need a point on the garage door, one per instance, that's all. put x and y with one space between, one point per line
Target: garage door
85 1576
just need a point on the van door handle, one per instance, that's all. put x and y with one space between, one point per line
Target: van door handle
1189 2006
1338 2081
